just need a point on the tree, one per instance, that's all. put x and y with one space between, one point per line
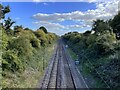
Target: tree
8 24
115 24
44 29
27 29
18 27
87 33
100 26
3 11
40 34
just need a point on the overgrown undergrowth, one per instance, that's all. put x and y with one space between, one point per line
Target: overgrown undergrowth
33 72
98 51
25 53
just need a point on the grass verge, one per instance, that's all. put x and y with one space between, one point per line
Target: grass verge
86 70
73 55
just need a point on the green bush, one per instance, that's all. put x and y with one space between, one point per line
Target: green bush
21 54
4 40
97 52
40 34
44 29
29 35
50 37
11 61
35 43
21 45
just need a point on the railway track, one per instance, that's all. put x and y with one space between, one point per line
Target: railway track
61 72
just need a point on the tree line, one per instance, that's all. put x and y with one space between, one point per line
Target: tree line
98 50
20 42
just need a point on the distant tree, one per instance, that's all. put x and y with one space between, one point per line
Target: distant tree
18 29
44 29
100 26
69 32
8 24
115 24
27 29
75 39
3 11
75 32
87 33
40 34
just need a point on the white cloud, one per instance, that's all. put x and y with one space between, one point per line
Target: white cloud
36 0
45 3
57 0
73 0
91 0
52 27
49 24
60 29
77 26
104 10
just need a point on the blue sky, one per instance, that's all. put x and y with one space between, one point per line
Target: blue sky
59 17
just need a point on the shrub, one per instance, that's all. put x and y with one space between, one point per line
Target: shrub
5 40
41 36
21 45
11 61
35 43
44 29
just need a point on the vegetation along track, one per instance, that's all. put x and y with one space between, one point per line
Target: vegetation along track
61 71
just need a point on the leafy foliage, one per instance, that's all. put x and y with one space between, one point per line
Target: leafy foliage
115 24
8 23
20 44
3 11
100 26
40 34
11 61
98 52
44 29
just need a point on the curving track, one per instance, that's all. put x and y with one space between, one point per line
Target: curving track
61 71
